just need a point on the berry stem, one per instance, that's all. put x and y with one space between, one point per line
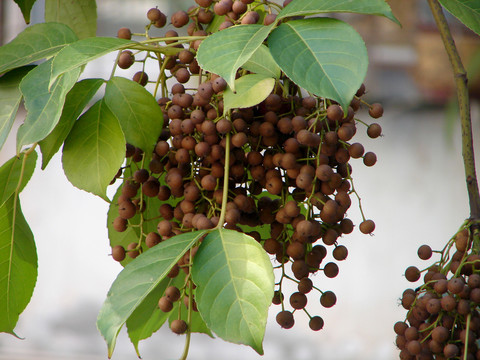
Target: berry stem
189 320
467 327
225 183
460 76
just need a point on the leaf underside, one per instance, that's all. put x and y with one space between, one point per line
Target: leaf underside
18 264
10 98
10 173
312 7
44 106
35 43
467 11
250 90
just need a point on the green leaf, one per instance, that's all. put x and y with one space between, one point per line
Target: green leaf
147 317
137 111
137 280
235 282
215 23
18 264
324 56
10 173
26 7
44 107
467 11
10 98
263 63
312 7
35 43
79 15
251 90
94 150
83 51
225 51
75 102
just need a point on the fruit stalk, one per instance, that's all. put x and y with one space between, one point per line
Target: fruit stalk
460 76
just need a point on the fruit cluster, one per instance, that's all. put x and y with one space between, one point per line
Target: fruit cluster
279 171
443 320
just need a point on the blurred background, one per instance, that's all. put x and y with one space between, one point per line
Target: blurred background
415 193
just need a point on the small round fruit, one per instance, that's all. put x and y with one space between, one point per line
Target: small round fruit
141 78
374 130
370 158
126 59
132 250
154 14
118 253
424 252
328 299
412 273
120 224
164 304
285 319
124 33
316 323
298 300
367 226
172 293
277 297
178 326
305 285
376 111
180 19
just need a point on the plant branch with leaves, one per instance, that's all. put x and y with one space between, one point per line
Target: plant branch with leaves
242 162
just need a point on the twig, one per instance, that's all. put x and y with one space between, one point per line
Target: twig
460 76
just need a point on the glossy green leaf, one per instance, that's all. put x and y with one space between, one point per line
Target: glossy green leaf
79 15
235 282
11 172
251 90
76 100
18 264
26 8
225 51
262 63
44 107
467 11
36 42
83 51
94 150
139 114
214 25
10 98
324 56
312 7
147 317
137 280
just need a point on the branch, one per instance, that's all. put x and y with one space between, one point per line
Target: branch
464 104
